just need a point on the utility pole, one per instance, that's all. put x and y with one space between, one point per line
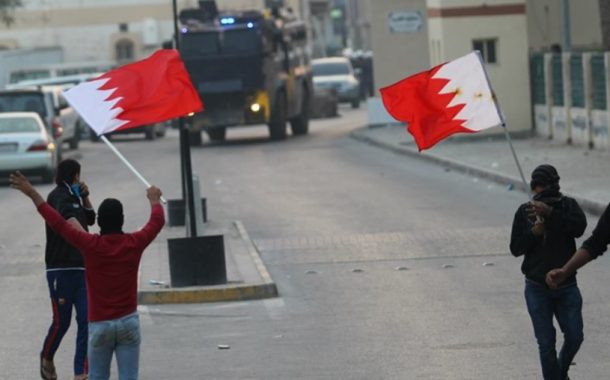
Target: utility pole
185 150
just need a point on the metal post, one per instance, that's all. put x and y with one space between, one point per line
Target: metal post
566 38
185 151
503 121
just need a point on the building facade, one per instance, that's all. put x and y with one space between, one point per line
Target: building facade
103 30
507 32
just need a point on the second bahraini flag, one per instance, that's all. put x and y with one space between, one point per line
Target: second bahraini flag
149 91
454 97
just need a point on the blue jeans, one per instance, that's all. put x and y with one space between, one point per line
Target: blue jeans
68 290
120 336
565 305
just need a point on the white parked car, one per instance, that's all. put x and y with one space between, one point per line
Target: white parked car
60 119
25 145
336 73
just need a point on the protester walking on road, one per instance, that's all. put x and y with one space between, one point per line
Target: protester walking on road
543 233
593 247
66 270
112 259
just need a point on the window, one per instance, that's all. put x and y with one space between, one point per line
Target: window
487 48
124 51
331 68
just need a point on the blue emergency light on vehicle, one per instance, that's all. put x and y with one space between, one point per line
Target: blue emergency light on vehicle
227 20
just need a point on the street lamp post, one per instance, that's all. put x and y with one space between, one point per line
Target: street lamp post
194 260
185 151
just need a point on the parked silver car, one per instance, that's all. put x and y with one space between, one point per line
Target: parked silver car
337 73
25 145
60 119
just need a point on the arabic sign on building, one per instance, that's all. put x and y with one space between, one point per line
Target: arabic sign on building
405 21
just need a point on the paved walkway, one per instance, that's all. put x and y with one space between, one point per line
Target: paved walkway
585 173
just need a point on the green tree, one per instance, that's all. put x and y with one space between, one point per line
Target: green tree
7 7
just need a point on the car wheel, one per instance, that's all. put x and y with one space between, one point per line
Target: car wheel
356 103
217 134
161 129
300 124
194 138
277 124
150 132
93 136
48 176
74 143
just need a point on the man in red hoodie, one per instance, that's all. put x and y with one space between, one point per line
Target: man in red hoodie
111 259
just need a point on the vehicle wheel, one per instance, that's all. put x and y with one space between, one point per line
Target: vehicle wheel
300 124
194 138
356 103
93 136
217 134
150 132
73 143
161 129
76 138
277 124
48 176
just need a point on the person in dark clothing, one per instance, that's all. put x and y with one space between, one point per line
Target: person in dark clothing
543 233
66 270
592 248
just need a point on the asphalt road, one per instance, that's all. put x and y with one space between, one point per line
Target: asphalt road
388 267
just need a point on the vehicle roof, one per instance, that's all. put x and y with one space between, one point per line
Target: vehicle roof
9 115
68 65
330 60
22 91
57 81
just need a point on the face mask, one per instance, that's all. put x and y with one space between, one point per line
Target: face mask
76 189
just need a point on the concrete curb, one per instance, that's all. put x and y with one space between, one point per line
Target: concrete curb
219 293
588 205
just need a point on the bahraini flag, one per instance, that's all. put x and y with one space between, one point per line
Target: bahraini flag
149 91
454 97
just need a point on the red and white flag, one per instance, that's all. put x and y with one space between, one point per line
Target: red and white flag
149 91
454 97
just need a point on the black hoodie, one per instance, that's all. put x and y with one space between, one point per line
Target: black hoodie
556 246
600 238
58 253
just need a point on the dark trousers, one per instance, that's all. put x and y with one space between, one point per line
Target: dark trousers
68 290
565 305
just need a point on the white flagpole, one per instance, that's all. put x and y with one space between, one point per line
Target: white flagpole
128 164
501 115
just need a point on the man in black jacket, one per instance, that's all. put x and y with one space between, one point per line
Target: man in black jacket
593 247
543 232
66 270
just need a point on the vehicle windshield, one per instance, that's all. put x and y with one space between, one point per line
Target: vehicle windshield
22 102
326 69
18 125
228 42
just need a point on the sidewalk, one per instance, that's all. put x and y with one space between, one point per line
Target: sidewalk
247 276
585 173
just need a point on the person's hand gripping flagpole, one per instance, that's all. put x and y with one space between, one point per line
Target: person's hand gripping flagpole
149 91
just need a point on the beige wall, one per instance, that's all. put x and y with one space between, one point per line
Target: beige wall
544 23
400 54
451 37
